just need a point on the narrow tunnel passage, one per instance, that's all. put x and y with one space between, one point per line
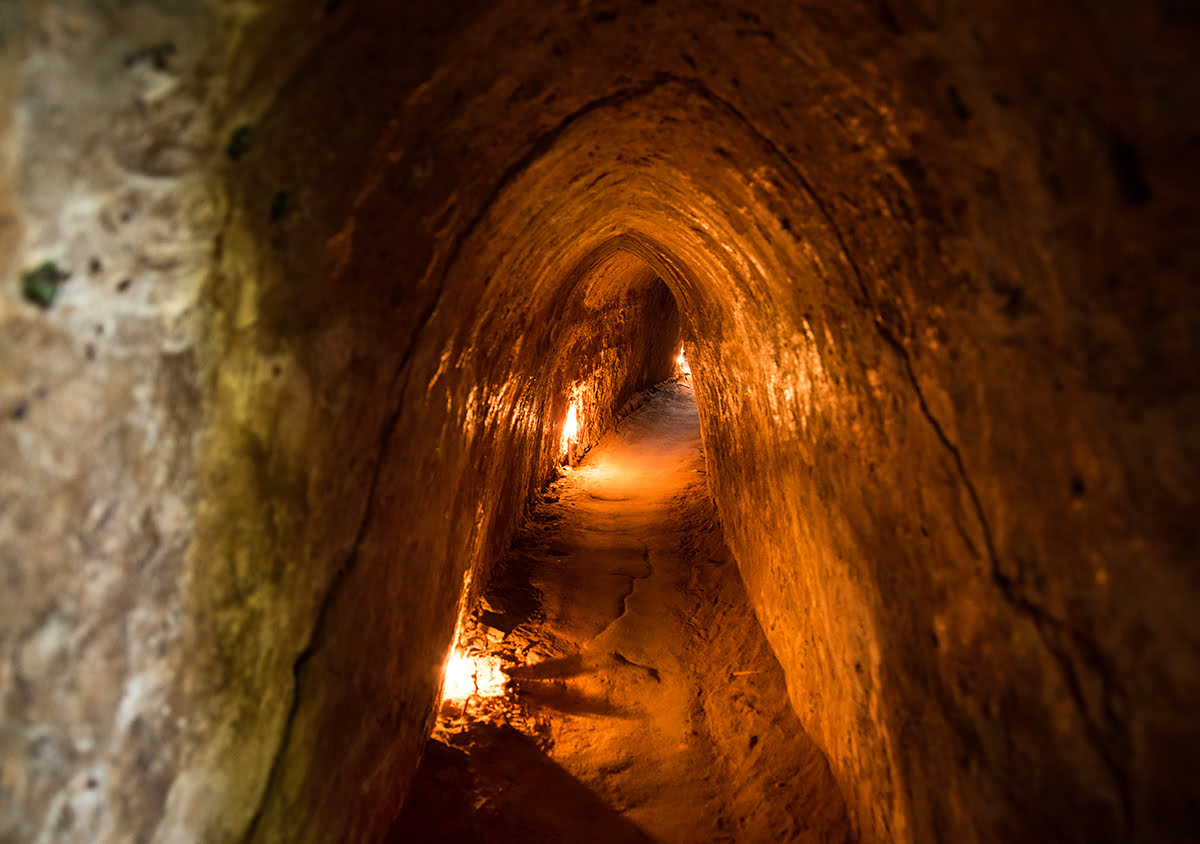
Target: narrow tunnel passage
644 702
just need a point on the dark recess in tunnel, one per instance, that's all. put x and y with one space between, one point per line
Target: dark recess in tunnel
936 273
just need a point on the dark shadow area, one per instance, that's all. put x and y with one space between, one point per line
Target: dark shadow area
503 790
558 668
558 697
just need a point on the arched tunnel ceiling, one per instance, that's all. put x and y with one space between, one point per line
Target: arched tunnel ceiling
935 271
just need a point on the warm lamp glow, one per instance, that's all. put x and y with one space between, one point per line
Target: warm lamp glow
681 361
571 428
472 676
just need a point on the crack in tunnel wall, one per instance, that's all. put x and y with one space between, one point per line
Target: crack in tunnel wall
935 272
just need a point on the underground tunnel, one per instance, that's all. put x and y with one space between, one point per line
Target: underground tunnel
610 420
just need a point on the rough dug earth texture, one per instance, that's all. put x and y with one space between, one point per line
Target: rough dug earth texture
644 702
295 299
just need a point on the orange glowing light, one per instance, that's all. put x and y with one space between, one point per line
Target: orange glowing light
682 363
571 428
472 676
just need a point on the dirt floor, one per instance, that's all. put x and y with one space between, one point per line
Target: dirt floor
640 700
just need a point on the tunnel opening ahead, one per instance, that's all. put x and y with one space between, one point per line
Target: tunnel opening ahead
612 683
614 325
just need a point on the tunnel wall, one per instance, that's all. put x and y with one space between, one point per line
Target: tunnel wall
936 272
471 435
104 135
202 428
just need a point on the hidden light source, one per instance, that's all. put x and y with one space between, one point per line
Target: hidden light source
682 363
570 428
469 676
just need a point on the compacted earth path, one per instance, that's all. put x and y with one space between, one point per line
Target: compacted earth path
618 685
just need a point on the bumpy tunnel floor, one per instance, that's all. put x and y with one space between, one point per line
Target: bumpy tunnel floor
638 699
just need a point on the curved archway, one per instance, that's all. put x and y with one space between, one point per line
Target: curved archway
329 288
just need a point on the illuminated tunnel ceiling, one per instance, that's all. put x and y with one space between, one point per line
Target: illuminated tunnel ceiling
336 271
